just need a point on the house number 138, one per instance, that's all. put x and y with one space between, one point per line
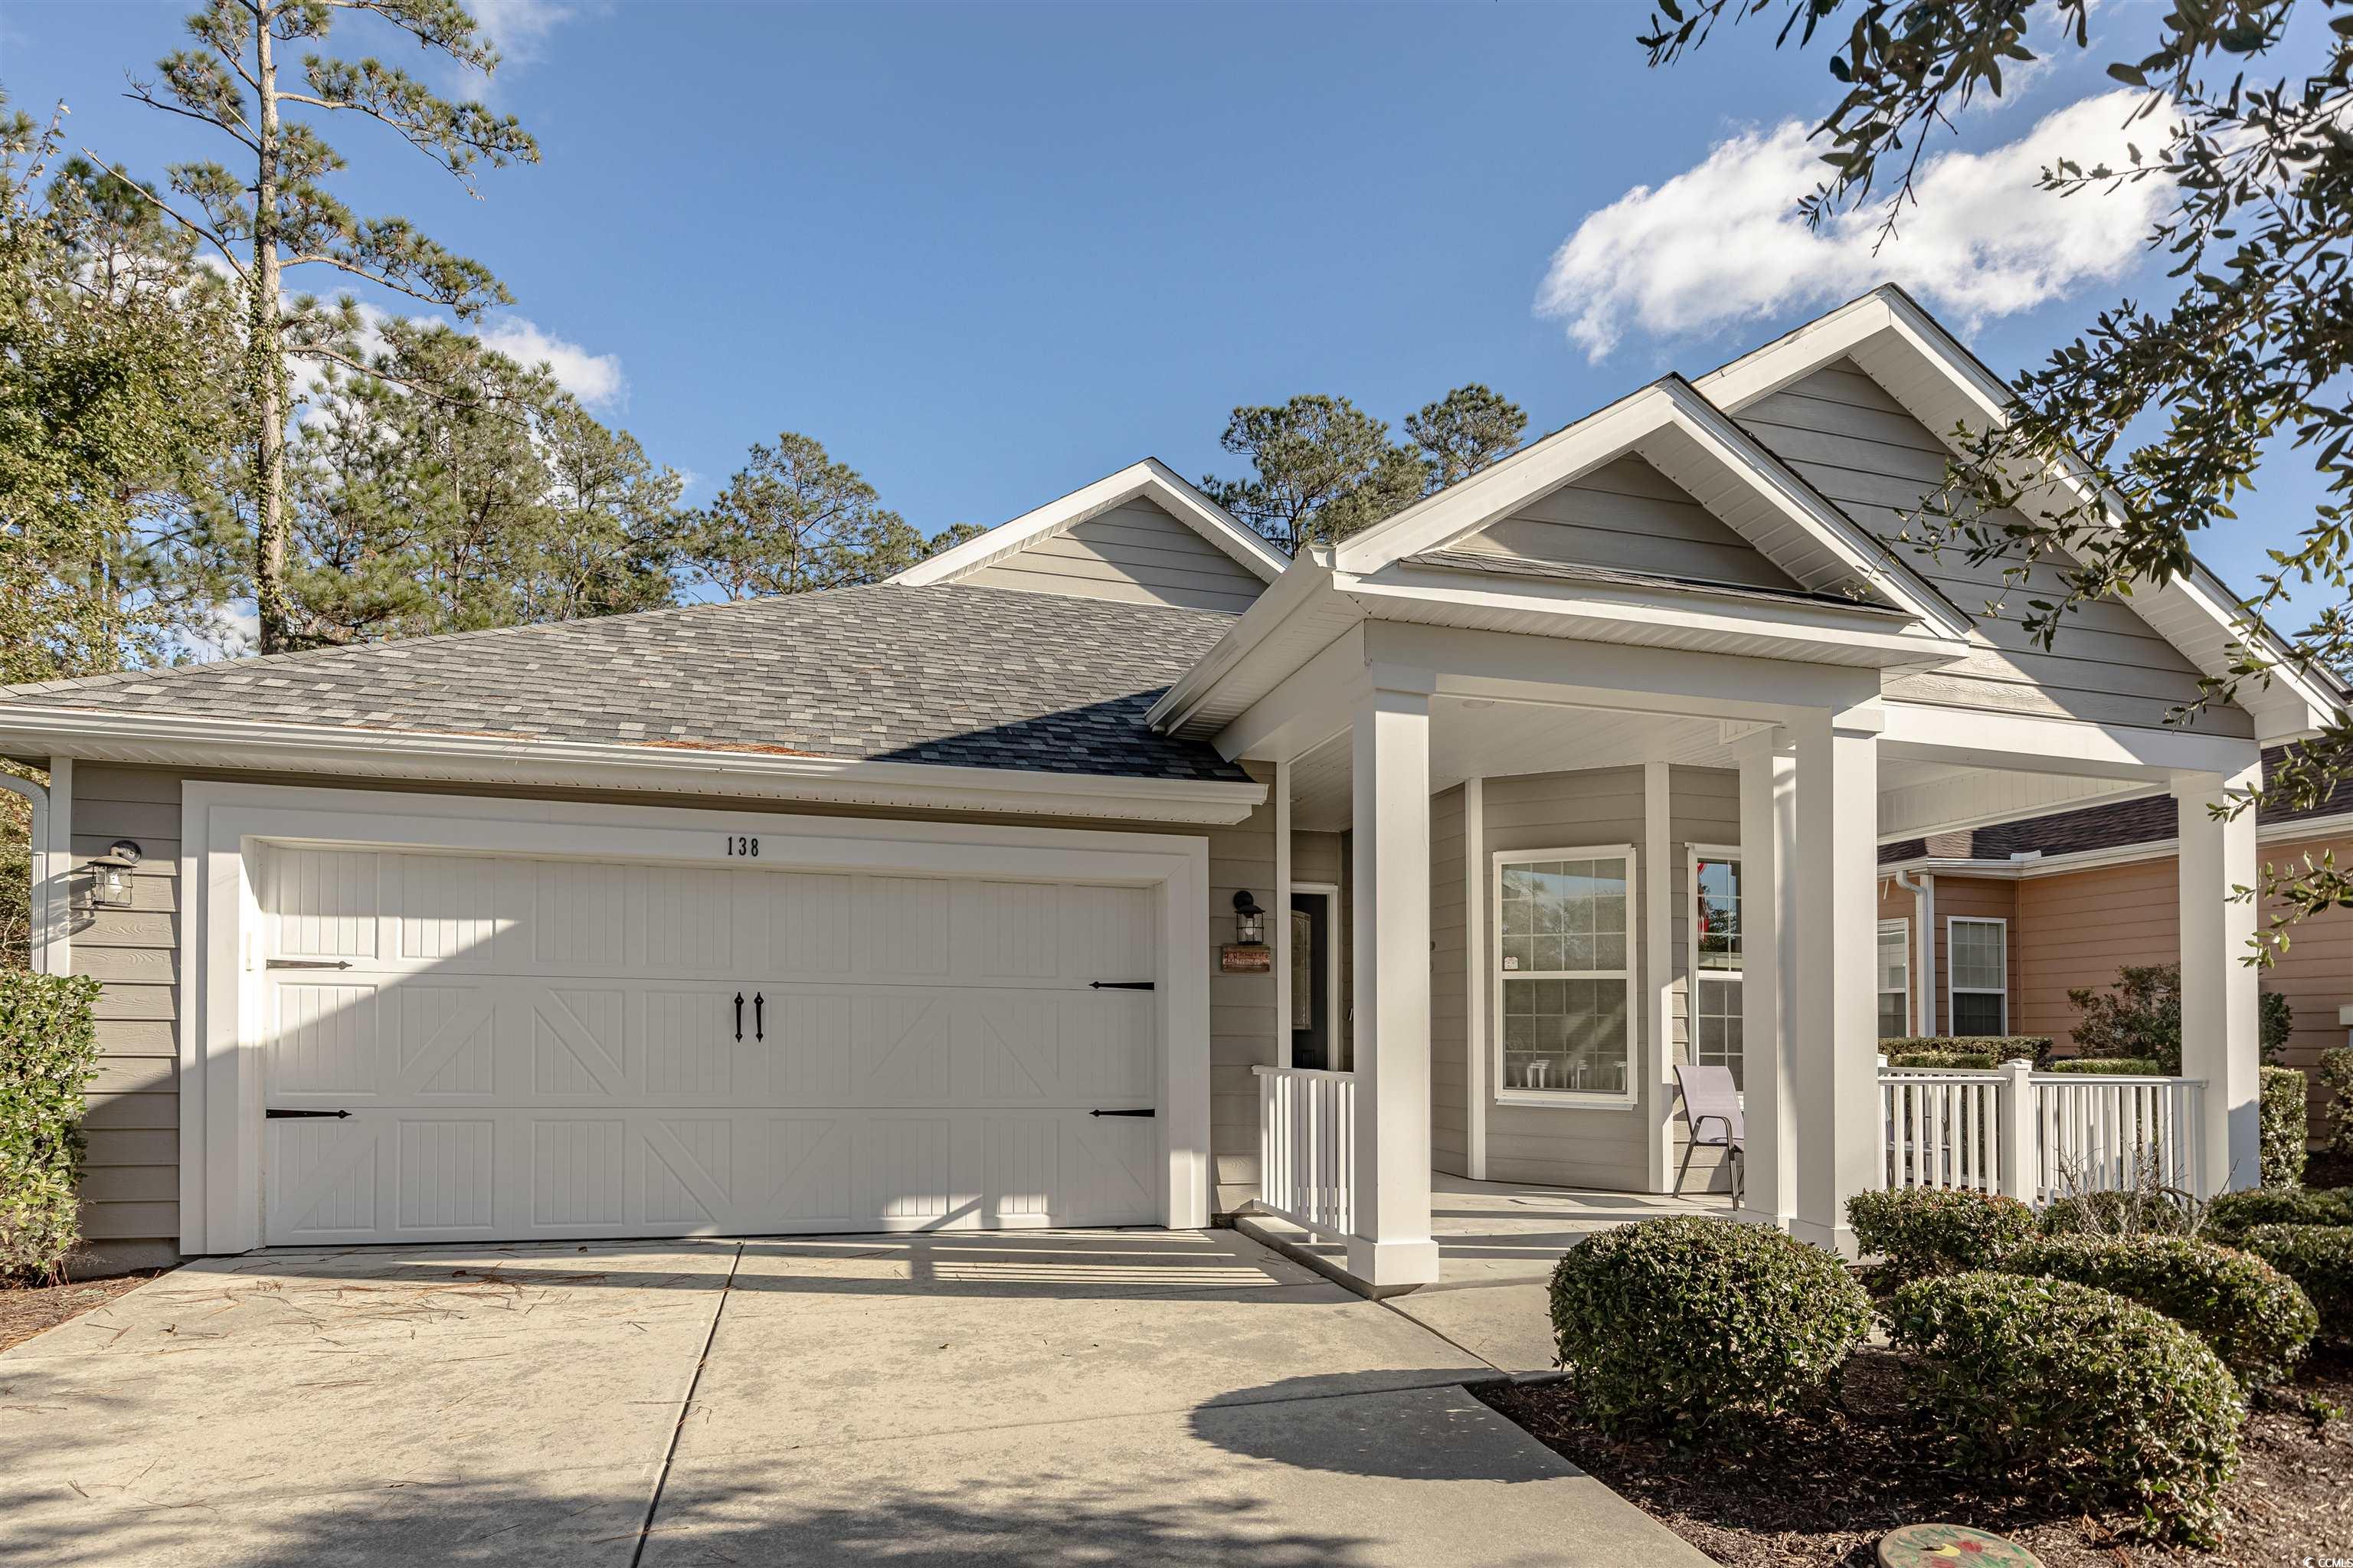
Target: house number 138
741 847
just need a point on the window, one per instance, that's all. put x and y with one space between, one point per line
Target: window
1716 1013
1894 978
1565 974
1980 961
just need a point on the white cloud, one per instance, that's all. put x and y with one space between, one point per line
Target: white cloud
595 378
518 28
1722 242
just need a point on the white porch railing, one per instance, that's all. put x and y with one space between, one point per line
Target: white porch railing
2039 1136
1307 1148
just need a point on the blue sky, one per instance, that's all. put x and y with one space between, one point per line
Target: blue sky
990 253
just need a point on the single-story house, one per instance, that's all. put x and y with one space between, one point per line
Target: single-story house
945 901
2058 903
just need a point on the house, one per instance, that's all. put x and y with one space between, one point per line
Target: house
2059 903
932 904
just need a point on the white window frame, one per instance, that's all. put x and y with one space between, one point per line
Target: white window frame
1566 1099
1693 973
1904 925
1952 971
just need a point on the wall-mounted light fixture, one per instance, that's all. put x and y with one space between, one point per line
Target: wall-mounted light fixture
1250 920
110 886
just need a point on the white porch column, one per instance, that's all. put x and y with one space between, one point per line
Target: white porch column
2220 1039
1655 1042
1835 1054
1392 1247
1768 807
1281 915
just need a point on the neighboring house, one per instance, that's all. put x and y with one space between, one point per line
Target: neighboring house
2059 903
915 905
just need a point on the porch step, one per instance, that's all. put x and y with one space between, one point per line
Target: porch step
1327 1258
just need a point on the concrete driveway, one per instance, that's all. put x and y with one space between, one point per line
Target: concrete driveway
1063 1397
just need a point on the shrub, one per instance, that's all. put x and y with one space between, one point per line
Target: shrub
2333 1072
1936 1048
2317 1257
2142 1018
48 1049
2073 1390
1692 1327
2123 1215
2110 1067
2251 1314
1947 1061
2234 1213
1935 1230
2280 1153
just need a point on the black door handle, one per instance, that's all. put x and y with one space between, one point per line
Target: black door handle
738 1015
759 1015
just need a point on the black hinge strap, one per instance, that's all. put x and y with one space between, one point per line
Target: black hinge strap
1146 1112
274 1113
1119 985
307 964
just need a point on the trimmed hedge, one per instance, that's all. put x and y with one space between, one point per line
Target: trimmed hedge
2234 1213
2074 1390
2120 1214
2317 1257
49 1052
2280 1153
2111 1067
1692 1327
2000 1047
1946 1061
2333 1072
1936 1229
2251 1314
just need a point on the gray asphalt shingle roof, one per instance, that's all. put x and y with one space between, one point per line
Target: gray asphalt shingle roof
947 673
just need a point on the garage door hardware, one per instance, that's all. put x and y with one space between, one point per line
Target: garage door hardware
739 1016
1146 1112
1119 985
759 1015
274 1113
308 964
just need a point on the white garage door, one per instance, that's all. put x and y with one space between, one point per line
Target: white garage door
539 1048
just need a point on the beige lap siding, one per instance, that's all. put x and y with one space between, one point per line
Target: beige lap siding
1135 553
1855 444
130 1181
1450 997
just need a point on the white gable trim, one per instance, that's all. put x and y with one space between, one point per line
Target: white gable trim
1931 373
1150 479
1690 441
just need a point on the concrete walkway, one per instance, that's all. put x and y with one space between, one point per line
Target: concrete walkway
1497 1244
1052 1398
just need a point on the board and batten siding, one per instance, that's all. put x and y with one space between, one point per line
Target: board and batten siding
131 1176
1449 995
1628 515
1136 553
1857 446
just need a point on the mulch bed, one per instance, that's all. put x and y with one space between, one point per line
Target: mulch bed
1826 1486
25 1310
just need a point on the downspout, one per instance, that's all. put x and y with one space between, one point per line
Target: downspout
1923 911
38 891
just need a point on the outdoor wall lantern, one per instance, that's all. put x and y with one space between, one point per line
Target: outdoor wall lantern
110 886
1249 921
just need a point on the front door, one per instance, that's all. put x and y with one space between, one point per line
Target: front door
1311 988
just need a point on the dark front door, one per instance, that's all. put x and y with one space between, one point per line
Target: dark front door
1310 990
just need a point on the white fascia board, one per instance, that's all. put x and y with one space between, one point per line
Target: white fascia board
1616 613
1602 437
1302 581
598 765
1151 479
1887 320
2037 743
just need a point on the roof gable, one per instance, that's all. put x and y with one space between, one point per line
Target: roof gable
1909 358
1731 478
1141 535
1626 517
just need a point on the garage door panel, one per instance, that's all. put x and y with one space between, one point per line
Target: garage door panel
548 1048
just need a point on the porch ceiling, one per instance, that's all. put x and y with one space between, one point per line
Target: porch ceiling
1471 739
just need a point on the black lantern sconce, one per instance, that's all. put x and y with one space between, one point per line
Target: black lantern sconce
1249 921
110 885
